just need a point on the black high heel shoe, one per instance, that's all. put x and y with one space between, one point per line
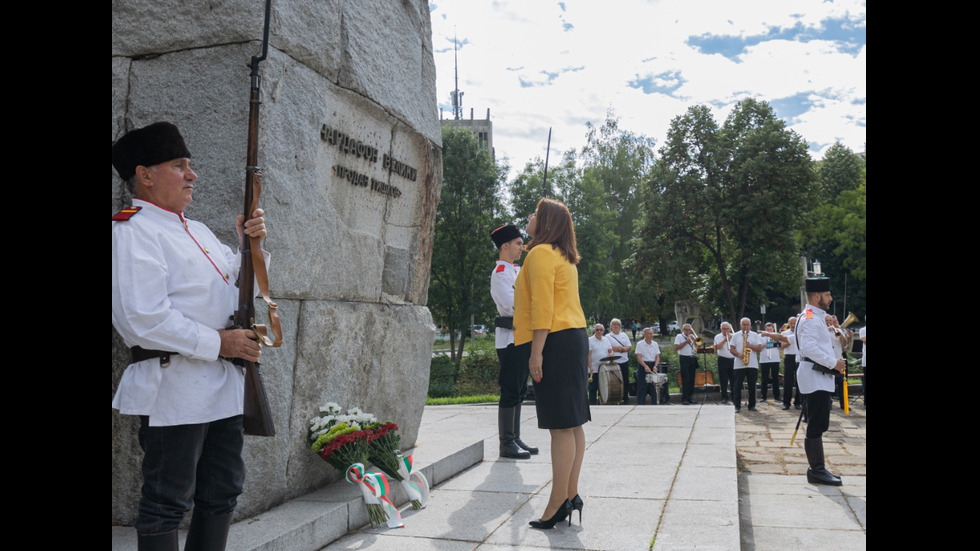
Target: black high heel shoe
564 510
577 505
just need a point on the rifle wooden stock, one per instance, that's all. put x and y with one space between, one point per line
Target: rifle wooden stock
257 416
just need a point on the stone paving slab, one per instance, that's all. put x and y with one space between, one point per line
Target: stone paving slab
658 478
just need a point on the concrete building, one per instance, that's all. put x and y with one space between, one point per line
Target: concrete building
483 128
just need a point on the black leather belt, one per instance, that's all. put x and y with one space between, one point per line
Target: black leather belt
138 354
504 322
820 368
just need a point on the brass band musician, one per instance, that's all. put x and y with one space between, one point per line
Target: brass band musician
746 344
726 360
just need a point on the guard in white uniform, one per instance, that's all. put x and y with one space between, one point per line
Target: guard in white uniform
818 363
513 375
173 290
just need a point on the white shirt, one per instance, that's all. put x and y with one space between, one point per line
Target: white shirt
816 344
688 349
502 281
173 288
791 347
722 349
864 346
754 339
599 349
769 354
648 353
619 339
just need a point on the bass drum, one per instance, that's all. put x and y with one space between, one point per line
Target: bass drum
610 384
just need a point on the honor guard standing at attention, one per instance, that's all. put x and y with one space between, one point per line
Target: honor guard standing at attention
173 292
818 364
513 376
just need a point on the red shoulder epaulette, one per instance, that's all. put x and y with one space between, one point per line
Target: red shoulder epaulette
125 214
500 268
809 313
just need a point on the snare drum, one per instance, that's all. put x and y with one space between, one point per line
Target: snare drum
610 383
658 379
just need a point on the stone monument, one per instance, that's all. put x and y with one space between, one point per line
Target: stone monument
350 148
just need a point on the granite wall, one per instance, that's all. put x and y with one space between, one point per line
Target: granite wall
350 149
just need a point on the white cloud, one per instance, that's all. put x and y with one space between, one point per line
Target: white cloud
581 60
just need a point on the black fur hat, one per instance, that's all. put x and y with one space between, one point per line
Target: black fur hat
147 146
504 234
817 284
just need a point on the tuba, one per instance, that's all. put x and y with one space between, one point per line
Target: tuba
746 351
851 318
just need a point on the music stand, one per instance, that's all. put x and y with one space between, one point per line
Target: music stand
704 377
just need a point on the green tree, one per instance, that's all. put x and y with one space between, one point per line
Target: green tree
837 230
462 252
615 162
727 201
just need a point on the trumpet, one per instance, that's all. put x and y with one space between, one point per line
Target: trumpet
698 341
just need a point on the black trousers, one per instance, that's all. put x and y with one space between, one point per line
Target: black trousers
689 364
743 374
789 380
512 378
726 372
196 465
643 388
624 368
770 373
594 386
817 406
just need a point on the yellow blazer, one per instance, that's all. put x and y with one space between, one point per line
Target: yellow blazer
546 294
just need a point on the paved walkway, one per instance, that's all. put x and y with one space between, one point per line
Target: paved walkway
661 478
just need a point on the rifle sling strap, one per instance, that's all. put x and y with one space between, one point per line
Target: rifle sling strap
262 276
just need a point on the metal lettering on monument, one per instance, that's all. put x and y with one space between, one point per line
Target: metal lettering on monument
350 145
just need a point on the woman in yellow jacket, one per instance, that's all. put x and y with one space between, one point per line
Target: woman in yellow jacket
549 331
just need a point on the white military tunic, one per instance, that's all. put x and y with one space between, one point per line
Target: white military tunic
173 288
502 281
816 344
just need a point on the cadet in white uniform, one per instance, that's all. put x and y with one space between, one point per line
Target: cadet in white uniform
513 376
817 365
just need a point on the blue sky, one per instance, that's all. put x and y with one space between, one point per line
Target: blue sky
538 64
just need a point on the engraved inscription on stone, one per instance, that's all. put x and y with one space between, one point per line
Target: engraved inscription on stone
350 145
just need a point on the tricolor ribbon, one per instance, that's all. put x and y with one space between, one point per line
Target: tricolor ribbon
374 488
414 482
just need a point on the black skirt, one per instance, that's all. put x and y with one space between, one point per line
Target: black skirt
561 398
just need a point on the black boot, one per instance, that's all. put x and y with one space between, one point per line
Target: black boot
818 473
158 542
208 533
505 426
517 432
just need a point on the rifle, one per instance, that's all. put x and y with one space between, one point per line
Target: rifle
257 418
544 181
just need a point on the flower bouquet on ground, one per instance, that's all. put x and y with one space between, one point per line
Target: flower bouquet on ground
383 451
343 442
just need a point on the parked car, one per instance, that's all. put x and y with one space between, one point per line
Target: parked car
656 328
479 329
673 327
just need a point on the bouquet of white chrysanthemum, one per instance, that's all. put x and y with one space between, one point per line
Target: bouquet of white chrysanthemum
343 442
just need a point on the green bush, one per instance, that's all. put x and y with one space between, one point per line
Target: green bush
442 377
478 373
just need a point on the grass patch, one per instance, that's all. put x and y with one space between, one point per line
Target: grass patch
453 400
